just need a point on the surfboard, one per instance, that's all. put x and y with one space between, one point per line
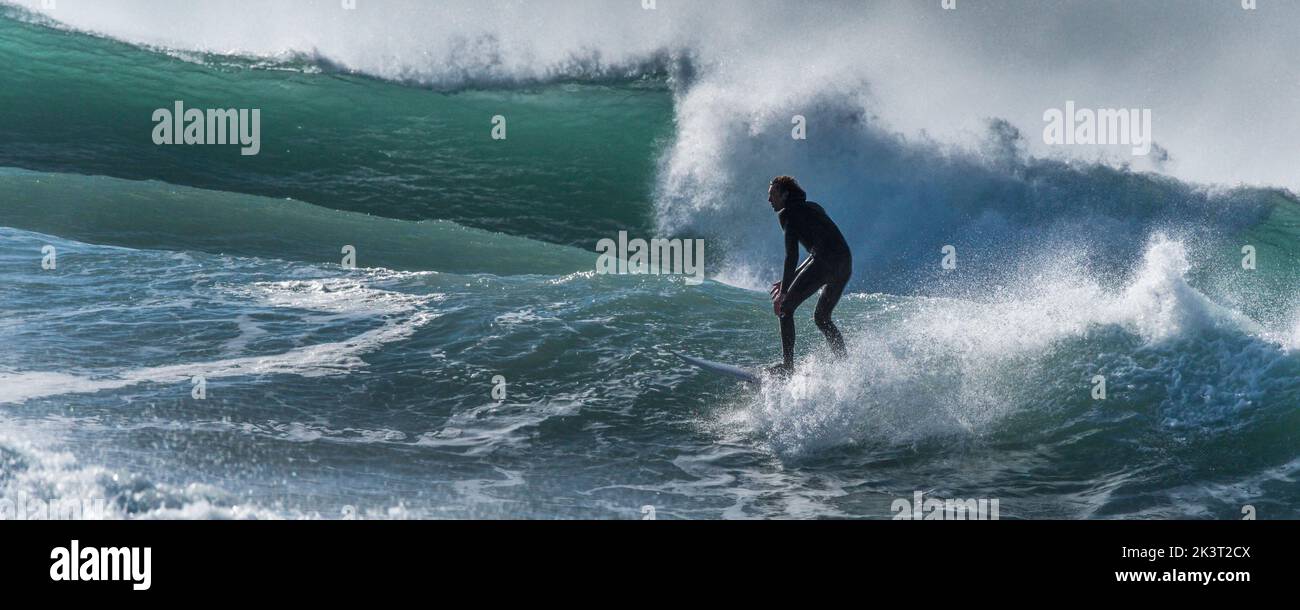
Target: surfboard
723 369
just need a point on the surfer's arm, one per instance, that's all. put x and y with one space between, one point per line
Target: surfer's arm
791 259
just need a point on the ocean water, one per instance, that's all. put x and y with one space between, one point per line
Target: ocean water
330 392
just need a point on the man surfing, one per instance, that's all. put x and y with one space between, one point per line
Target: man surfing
828 267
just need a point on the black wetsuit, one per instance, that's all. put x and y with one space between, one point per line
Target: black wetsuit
829 264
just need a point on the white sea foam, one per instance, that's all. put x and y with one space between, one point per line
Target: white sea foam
405 315
339 295
954 367
50 483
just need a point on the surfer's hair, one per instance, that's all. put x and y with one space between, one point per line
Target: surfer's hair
789 187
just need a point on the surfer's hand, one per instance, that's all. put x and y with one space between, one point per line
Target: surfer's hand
777 300
776 289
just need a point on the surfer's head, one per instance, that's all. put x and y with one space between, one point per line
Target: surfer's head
783 190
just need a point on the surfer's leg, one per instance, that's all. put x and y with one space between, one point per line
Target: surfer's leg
822 316
787 342
803 286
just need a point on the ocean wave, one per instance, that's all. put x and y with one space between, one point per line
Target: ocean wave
926 70
462 58
39 481
946 368
323 359
901 201
359 298
163 216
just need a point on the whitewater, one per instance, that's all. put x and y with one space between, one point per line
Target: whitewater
333 392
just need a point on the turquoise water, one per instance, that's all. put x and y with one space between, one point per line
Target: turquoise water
77 104
332 392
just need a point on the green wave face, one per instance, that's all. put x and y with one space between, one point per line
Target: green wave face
160 216
77 103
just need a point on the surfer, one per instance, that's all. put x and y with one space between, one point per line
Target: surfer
828 267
